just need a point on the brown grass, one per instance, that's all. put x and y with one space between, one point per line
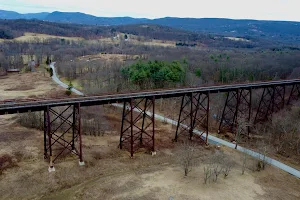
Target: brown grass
24 85
27 37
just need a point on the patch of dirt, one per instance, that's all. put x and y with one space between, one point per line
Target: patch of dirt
20 88
277 184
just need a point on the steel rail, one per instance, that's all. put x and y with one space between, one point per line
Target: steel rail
19 107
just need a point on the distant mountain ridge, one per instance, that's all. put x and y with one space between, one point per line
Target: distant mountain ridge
72 17
283 31
15 15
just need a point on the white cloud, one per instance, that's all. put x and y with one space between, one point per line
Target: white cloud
254 9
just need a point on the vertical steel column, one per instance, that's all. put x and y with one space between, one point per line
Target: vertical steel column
191 128
194 112
178 122
283 97
272 100
73 127
131 127
122 126
239 93
250 110
49 136
153 123
207 118
45 133
78 116
143 123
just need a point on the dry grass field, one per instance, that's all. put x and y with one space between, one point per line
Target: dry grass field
108 57
28 37
37 37
237 39
28 85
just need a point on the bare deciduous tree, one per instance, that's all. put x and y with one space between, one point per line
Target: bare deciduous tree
207 174
187 157
245 157
227 166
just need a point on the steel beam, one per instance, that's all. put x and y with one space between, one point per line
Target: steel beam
272 100
15 106
138 121
194 114
237 107
295 94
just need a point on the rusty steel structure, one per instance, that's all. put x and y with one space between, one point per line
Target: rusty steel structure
272 100
237 109
62 117
138 125
62 132
295 93
194 114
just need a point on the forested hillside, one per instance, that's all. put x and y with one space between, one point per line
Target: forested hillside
275 31
16 28
287 32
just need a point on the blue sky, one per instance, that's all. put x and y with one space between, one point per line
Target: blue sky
236 9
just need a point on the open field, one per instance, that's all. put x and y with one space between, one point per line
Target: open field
108 57
28 37
37 37
156 43
238 39
28 85
110 173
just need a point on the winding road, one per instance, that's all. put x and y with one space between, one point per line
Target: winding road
62 84
211 139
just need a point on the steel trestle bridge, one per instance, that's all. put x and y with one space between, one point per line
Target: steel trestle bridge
62 127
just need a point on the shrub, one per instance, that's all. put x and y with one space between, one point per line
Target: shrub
68 92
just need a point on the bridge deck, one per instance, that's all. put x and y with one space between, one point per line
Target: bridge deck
19 107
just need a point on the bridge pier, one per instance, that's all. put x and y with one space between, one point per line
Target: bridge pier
272 100
62 133
238 106
194 113
295 94
138 124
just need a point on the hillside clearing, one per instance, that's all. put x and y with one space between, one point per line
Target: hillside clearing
28 37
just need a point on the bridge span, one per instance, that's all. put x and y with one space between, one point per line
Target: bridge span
138 128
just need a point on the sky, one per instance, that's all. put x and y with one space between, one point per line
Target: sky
287 10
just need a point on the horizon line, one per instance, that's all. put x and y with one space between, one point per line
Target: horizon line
150 18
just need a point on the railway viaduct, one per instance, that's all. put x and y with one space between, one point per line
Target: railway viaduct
138 119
